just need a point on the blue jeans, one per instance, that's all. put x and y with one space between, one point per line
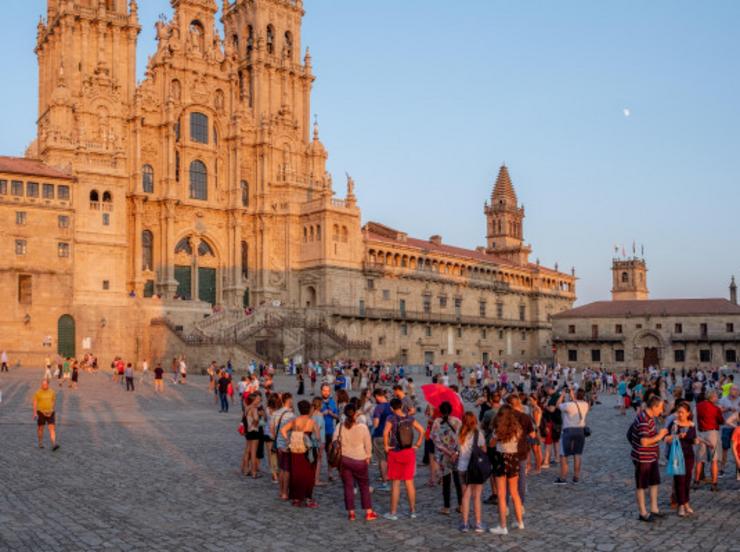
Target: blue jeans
224 401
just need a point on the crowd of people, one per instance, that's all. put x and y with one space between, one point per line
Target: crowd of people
365 421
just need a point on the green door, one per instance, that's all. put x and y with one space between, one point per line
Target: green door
183 275
207 285
66 336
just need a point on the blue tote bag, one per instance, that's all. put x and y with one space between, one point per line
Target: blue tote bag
676 463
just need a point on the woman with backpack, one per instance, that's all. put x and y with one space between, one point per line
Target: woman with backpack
356 448
300 434
475 469
506 435
444 435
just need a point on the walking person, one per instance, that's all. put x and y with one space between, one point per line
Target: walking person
223 390
444 434
506 435
471 438
44 405
158 381
645 440
573 438
129 375
400 445
683 429
330 411
356 446
380 414
318 419
4 361
300 433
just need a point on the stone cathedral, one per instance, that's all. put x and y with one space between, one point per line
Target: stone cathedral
192 213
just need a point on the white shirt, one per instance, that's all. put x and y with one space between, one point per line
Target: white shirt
571 417
466 450
730 407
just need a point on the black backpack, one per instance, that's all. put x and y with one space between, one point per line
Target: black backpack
405 434
479 468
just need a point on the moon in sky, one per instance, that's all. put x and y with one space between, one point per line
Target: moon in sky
627 112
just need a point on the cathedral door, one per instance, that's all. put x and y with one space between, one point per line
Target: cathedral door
66 336
651 357
207 285
184 276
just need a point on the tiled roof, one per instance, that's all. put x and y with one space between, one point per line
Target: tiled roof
504 189
653 307
30 167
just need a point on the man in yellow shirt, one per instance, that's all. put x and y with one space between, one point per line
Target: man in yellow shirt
44 402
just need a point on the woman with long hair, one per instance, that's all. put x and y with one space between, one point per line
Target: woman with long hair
535 412
302 432
253 420
683 429
320 435
444 434
274 403
470 437
506 435
357 451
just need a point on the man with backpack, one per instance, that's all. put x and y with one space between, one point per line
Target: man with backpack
401 444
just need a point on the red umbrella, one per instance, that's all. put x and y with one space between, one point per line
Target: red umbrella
436 394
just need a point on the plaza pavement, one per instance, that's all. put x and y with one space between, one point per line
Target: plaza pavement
142 472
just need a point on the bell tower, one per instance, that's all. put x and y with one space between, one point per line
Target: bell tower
629 280
86 52
504 221
265 38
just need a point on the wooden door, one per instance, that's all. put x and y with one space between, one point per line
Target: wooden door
66 336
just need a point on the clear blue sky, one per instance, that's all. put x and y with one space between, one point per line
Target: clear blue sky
422 100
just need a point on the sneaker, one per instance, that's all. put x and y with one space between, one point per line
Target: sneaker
479 528
498 531
559 481
391 517
371 516
463 527
55 447
413 515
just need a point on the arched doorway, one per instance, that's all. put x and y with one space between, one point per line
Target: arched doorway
649 346
66 336
310 297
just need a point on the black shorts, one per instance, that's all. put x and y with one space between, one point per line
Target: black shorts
253 436
42 419
505 465
646 475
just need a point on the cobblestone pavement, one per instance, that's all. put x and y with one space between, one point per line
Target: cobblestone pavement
143 472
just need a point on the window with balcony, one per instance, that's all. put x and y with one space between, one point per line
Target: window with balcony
427 303
402 307
499 310
442 302
522 313
482 309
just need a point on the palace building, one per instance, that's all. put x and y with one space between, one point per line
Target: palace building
632 331
193 213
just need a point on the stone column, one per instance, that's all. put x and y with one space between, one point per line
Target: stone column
138 278
167 283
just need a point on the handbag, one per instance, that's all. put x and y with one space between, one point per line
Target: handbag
676 461
479 467
334 452
586 429
274 447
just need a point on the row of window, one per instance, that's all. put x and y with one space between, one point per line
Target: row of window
21 248
679 355
429 332
677 329
313 233
270 40
18 188
21 219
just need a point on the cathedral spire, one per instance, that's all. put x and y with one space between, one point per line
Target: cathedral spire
503 190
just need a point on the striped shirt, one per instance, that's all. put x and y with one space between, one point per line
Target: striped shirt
644 427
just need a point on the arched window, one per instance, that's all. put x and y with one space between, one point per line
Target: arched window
147 179
183 246
250 39
205 250
245 259
198 180
147 250
318 232
310 234
270 39
288 43
245 193
345 234
107 198
199 128
625 278
197 35
94 196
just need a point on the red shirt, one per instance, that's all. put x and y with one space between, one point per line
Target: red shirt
709 416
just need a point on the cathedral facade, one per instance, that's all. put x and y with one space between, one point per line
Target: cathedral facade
192 212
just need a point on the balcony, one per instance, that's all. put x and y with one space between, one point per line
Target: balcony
583 338
398 315
706 338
